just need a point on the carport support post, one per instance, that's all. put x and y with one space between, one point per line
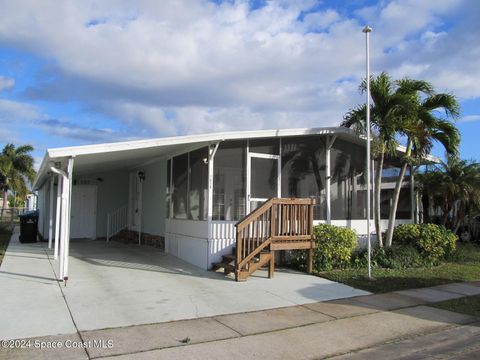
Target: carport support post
212 150
50 220
57 217
329 144
63 226
68 212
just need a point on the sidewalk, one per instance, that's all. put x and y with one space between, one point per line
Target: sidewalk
399 323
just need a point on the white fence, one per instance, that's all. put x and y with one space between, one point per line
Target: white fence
116 221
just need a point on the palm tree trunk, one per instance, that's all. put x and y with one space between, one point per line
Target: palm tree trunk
396 196
377 198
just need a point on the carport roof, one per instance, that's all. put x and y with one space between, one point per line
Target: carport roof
131 154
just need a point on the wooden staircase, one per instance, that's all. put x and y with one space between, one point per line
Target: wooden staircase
278 224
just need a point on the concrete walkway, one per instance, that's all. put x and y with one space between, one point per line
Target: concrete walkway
113 285
382 326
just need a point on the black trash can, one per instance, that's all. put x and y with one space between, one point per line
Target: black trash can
28 227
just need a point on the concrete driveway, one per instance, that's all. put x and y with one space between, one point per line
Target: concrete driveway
113 284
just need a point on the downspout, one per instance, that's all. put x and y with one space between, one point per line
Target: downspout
211 156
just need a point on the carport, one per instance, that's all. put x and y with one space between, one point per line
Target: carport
120 285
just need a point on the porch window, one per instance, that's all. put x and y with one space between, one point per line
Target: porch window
303 170
180 186
229 190
348 186
198 188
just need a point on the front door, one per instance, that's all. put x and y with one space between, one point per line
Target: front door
135 202
83 212
263 179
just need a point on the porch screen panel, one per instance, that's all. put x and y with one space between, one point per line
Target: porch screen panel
198 189
168 189
348 186
303 170
229 168
180 186
391 170
265 146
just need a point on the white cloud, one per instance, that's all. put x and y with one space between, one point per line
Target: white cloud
6 83
469 118
170 67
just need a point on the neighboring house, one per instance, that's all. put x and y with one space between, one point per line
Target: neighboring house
191 190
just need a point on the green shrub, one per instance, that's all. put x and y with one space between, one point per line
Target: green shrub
333 249
406 234
436 242
433 242
393 257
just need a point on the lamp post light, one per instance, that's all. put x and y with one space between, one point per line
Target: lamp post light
367 30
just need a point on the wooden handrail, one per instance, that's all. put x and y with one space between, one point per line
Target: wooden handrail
287 221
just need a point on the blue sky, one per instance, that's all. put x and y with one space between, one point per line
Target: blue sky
85 72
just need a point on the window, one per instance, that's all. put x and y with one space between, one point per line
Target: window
180 186
198 185
229 181
168 189
303 170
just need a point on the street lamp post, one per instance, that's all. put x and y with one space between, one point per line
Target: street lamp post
367 30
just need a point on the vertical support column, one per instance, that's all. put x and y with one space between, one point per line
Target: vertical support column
68 216
63 226
57 216
50 216
212 150
329 144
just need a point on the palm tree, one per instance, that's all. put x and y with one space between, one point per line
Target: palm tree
455 184
388 108
16 168
422 127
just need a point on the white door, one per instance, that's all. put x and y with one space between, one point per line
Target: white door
135 202
83 212
263 179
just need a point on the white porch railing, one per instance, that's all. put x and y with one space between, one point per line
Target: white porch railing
116 221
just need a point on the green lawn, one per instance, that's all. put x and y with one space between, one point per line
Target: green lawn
464 266
469 305
5 234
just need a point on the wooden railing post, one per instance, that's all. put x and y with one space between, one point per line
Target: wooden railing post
312 239
271 265
238 253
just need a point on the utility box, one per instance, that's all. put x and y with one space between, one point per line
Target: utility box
28 227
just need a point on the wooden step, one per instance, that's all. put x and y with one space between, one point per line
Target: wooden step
228 258
263 259
227 268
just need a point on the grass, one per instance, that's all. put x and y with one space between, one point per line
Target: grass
5 234
468 305
463 266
